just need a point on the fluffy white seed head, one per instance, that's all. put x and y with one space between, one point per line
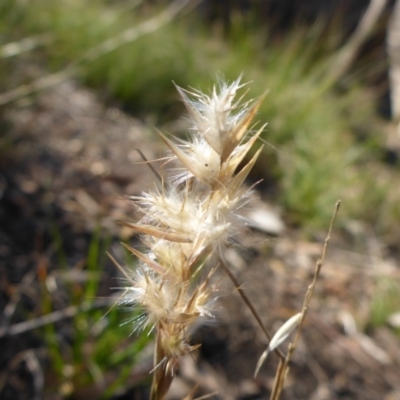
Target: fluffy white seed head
190 218
212 117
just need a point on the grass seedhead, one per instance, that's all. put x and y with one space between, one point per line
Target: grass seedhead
187 224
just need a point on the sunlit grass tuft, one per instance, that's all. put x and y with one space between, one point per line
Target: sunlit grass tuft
385 301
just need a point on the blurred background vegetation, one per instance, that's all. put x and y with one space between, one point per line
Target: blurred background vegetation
327 135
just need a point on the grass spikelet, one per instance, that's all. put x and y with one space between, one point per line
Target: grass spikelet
187 222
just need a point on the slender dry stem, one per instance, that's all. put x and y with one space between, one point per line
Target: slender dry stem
249 304
283 368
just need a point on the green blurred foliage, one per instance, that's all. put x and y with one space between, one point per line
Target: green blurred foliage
385 301
314 157
100 347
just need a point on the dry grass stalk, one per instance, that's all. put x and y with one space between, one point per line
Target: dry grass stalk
348 53
21 46
187 222
298 319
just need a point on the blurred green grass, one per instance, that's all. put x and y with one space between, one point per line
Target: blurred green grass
385 302
96 351
311 123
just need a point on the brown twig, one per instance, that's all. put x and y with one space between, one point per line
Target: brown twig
347 54
283 369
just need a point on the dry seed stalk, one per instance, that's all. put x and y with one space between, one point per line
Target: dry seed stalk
283 367
187 222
